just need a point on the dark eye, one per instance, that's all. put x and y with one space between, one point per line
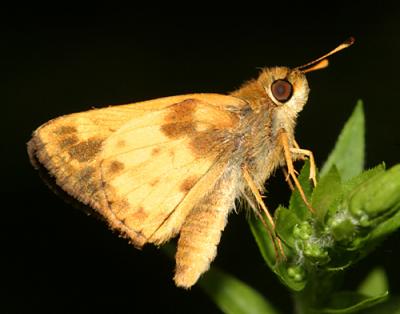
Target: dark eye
282 90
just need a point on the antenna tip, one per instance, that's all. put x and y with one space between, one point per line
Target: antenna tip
351 40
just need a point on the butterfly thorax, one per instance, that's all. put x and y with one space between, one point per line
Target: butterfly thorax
261 123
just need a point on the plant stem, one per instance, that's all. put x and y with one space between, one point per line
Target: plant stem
318 290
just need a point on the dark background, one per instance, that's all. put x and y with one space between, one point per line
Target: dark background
52 63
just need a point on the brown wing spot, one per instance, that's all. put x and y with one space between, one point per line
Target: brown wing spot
116 166
86 180
179 129
179 120
65 129
120 144
205 142
205 138
154 182
188 183
140 214
155 151
68 141
181 111
86 150
86 174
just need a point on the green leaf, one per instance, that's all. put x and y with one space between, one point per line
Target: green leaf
291 276
296 203
379 194
351 302
285 221
376 283
263 240
348 153
328 190
233 296
385 228
363 177
230 294
391 306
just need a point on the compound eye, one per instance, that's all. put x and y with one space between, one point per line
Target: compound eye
282 90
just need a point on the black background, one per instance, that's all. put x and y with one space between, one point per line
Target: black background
58 260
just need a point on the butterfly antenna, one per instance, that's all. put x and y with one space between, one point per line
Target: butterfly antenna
322 62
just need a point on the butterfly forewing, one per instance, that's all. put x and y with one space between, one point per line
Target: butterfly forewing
143 166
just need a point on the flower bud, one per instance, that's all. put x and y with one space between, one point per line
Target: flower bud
302 231
296 273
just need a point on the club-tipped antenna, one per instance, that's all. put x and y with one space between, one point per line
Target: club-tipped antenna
322 62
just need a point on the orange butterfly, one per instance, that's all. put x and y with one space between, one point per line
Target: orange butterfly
175 165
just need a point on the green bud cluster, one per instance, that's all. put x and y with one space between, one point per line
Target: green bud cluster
347 215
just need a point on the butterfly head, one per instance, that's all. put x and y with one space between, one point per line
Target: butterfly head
287 88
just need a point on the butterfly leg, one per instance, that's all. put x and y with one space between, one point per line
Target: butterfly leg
287 177
271 224
284 141
310 155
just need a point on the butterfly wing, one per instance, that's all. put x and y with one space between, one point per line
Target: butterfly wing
143 166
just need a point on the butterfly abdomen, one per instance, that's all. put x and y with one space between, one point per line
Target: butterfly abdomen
201 231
